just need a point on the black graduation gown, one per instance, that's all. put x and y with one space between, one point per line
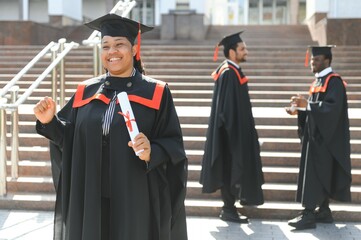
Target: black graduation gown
232 138
325 167
146 202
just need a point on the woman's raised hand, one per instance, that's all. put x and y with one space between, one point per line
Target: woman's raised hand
45 110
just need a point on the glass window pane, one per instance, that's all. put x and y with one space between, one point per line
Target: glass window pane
182 4
253 12
267 12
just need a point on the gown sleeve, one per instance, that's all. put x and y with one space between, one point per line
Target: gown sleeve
56 131
166 137
232 115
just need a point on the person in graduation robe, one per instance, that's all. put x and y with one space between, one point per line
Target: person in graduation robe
105 191
323 127
231 160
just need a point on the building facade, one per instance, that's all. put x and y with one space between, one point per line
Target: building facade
216 12
334 18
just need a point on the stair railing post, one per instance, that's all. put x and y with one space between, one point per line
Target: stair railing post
95 60
62 75
100 65
54 75
2 148
14 134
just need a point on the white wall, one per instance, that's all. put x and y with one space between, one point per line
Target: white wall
68 8
38 11
217 12
322 5
162 7
73 9
9 10
55 7
198 5
345 9
334 8
93 9
319 6
166 5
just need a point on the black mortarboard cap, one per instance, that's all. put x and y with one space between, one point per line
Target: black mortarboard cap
231 39
116 26
228 41
321 50
318 50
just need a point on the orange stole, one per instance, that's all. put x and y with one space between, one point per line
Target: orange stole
152 103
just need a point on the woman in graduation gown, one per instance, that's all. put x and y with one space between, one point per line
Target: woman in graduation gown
104 190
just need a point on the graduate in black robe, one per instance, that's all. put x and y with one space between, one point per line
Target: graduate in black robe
104 190
231 160
323 126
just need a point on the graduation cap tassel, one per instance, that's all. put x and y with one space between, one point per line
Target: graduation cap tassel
137 57
215 56
307 58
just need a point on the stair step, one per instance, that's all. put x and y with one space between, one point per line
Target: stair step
270 210
276 73
197 207
30 184
28 201
29 168
271 191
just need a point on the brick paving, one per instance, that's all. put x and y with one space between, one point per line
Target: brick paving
29 225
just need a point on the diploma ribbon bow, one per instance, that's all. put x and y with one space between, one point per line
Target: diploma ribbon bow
129 120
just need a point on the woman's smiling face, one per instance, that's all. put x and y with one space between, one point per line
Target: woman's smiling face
117 55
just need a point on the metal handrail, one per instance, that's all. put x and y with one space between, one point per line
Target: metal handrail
36 83
94 39
28 66
2 149
65 48
126 5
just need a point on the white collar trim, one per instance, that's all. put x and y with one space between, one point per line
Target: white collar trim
324 72
233 63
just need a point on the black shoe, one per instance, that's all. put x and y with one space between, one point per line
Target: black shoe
233 216
306 220
323 215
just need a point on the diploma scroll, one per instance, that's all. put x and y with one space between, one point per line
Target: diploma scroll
127 113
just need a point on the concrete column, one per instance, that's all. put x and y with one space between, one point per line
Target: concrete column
144 11
293 11
182 25
24 10
246 12
260 12
274 6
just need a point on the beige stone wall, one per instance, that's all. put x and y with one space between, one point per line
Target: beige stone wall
335 31
26 33
344 31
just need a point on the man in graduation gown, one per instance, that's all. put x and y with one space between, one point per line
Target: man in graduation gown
104 190
231 160
323 126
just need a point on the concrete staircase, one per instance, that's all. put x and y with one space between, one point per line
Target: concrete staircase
276 72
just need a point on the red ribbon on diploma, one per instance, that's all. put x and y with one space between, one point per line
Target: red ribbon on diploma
128 122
